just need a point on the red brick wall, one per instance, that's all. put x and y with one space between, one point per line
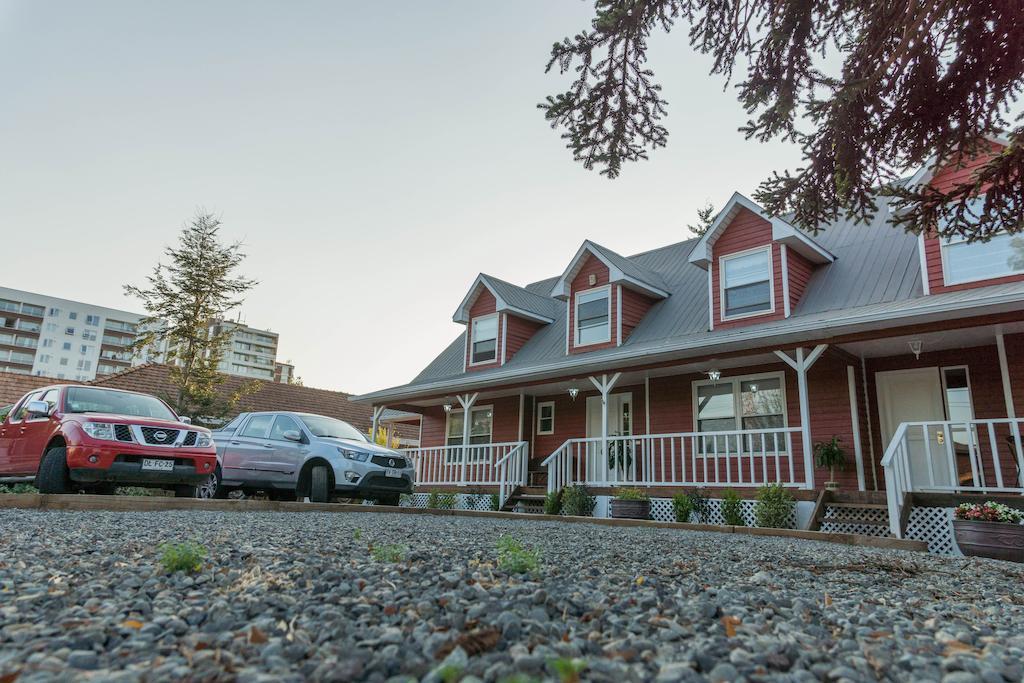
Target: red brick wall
591 266
485 304
746 231
634 307
518 331
944 180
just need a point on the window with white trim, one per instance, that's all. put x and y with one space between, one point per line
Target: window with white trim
481 422
746 283
964 261
593 316
484 339
741 403
546 418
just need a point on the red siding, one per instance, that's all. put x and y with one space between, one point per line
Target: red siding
517 332
634 307
800 270
485 304
746 231
591 266
505 424
945 180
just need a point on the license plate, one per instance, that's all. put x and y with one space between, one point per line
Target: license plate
158 464
393 472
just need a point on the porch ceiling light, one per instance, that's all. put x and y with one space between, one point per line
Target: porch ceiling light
447 406
573 393
714 375
915 348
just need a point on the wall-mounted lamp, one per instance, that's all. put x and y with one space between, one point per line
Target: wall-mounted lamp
753 388
573 393
447 407
915 348
714 375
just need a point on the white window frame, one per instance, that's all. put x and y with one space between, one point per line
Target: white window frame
541 405
472 339
576 316
947 279
454 451
737 381
771 283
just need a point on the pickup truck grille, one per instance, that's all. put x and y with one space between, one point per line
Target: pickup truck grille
190 439
159 437
386 460
123 433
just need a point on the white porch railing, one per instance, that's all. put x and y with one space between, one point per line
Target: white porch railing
492 464
742 458
974 456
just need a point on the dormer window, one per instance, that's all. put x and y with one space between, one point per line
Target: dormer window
593 316
747 283
964 261
484 340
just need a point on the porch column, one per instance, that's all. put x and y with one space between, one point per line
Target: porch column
1004 374
466 401
802 364
375 425
604 385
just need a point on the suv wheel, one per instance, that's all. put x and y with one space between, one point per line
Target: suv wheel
53 474
319 485
211 488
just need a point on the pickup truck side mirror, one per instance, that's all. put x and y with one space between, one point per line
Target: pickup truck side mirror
184 420
38 409
293 435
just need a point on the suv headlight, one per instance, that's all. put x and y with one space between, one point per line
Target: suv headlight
354 455
203 440
99 430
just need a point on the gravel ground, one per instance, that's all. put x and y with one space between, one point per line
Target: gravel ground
299 596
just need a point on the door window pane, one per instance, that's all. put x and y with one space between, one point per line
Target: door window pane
258 426
283 424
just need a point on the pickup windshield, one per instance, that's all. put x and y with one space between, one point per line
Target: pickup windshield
90 400
329 428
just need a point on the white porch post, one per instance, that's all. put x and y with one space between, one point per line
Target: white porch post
1004 374
802 364
604 385
466 401
377 412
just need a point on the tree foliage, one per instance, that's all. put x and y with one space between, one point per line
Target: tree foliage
197 286
918 79
705 217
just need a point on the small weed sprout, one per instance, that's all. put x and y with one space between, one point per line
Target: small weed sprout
567 669
515 558
449 673
182 557
388 553
357 534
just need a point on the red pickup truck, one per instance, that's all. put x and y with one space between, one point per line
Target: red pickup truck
69 438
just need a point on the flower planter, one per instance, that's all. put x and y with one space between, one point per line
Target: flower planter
995 540
631 509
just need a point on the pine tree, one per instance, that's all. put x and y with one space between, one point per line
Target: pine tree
917 79
705 217
182 300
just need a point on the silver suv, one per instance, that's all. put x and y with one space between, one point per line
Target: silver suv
293 456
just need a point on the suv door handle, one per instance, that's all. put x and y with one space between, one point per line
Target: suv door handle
234 443
268 445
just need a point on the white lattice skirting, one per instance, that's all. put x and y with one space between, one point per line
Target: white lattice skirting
843 520
934 526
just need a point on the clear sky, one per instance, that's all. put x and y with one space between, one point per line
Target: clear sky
373 157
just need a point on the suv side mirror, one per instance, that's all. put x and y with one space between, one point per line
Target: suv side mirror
293 435
184 420
38 408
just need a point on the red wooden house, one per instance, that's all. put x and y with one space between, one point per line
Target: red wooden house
721 361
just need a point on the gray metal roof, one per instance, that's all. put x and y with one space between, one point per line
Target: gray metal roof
631 268
876 274
524 299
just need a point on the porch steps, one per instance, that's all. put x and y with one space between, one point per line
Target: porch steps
530 496
859 516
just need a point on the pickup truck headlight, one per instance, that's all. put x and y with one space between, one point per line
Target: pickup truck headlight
203 441
100 430
354 455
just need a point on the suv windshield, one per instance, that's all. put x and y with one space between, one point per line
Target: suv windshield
330 428
89 400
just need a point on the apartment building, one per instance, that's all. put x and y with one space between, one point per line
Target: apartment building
284 373
248 352
53 337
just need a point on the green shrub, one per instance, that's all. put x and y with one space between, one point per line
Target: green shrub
495 502
405 500
700 503
773 507
632 494
441 501
682 506
182 557
553 503
732 508
388 553
18 488
515 558
577 501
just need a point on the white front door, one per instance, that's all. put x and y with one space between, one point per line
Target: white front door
620 423
916 396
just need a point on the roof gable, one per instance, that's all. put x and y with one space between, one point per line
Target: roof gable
620 270
782 232
510 299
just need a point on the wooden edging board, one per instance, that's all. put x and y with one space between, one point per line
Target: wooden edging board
36 501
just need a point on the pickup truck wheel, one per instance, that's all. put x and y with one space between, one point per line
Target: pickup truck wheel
389 499
319 485
53 474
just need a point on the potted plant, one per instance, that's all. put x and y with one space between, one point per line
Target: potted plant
831 455
620 456
989 530
631 503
